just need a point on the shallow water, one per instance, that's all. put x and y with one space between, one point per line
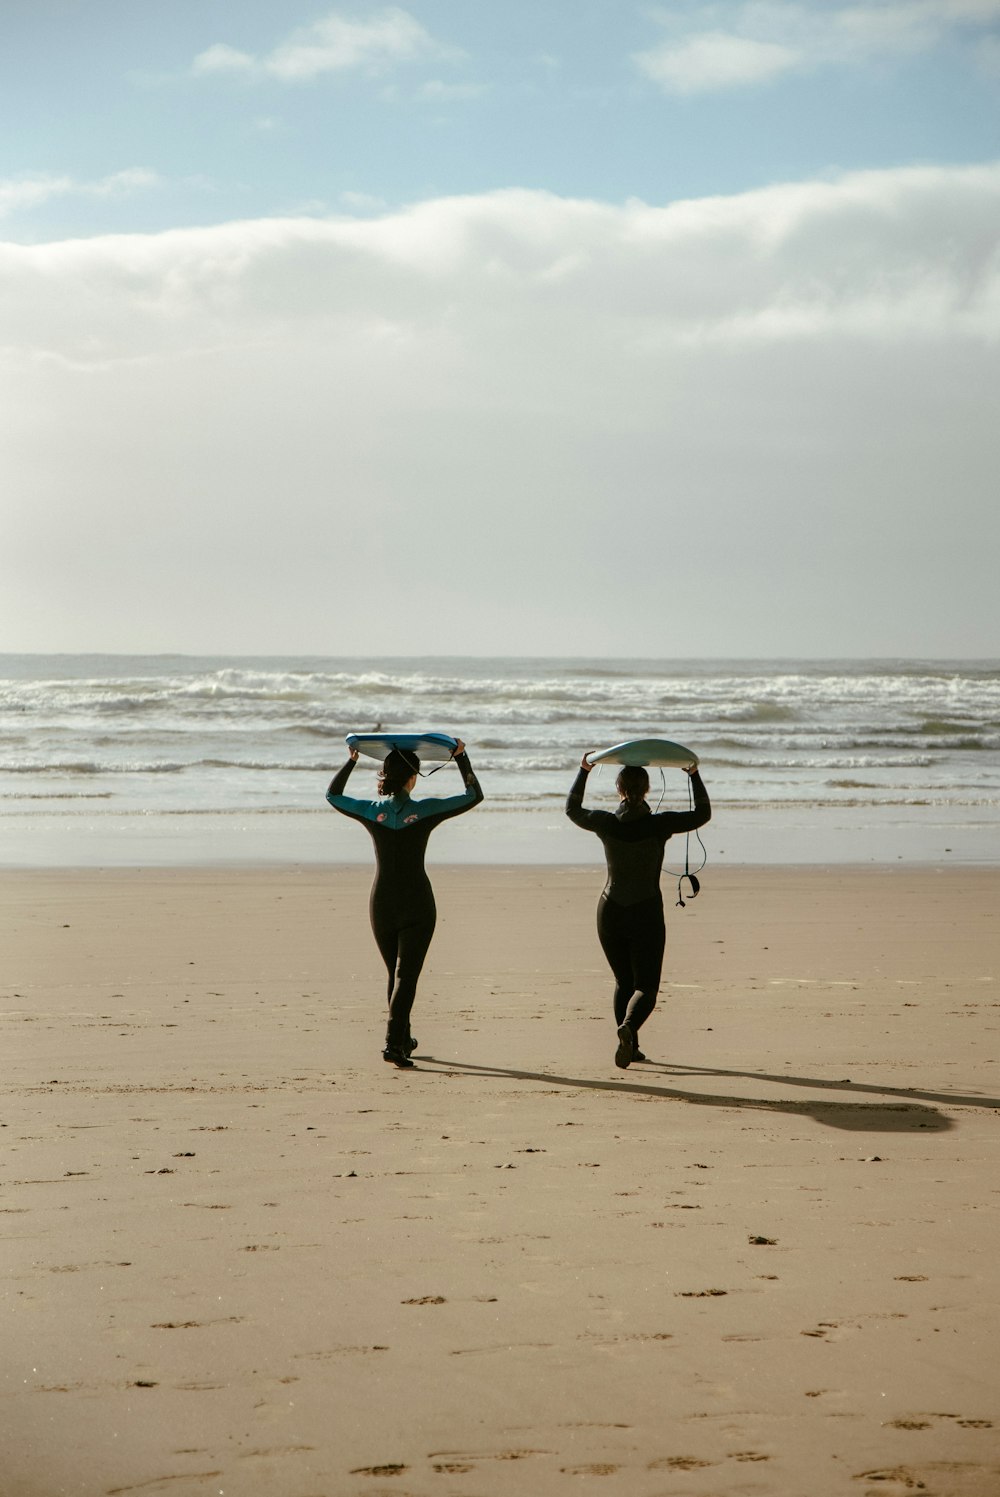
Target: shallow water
179 759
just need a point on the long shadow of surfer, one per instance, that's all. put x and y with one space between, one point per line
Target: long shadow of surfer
905 1093
861 1117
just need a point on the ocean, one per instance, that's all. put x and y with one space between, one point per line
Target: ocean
115 760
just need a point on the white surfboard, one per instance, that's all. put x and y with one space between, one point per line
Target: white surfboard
646 751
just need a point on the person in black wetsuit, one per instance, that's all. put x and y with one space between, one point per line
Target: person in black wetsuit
402 909
630 923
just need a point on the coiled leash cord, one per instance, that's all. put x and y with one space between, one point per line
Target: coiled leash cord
689 876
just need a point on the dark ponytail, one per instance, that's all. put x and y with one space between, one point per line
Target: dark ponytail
632 784
397 770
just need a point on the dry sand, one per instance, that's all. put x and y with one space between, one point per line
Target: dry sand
243 1256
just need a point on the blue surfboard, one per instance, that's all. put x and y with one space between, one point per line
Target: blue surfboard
439 746
644 751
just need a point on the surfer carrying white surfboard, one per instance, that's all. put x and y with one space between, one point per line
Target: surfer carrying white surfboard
630 923
402 909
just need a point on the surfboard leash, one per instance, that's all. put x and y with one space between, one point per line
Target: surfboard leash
425 774
694 883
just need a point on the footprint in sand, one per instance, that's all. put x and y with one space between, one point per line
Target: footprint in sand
464 1460
188 1476
275 1450
897 1474
831 1330
192 1325
678 1463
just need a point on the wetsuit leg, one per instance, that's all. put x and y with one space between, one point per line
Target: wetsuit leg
386 933
612 933
403 931
411 948
648 938
633 938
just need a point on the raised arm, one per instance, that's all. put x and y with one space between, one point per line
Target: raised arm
700 812
468 774
335 792
574 800
338 784
455 805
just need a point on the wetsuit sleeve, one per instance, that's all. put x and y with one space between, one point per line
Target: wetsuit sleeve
468 774
454 805
345 803
574 804
688 821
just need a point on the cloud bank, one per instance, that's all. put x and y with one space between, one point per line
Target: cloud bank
772 413
902 253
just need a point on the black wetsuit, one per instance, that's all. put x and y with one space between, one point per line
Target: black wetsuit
402 908
630 910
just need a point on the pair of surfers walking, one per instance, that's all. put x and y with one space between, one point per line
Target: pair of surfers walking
630 924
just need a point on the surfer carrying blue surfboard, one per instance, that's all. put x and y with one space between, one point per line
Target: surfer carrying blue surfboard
630 923
402 909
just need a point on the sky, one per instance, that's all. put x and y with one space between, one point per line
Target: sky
531 327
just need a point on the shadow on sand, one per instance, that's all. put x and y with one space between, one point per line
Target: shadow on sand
905 1114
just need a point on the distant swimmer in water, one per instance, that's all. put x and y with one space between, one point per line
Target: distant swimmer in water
402 908
630 923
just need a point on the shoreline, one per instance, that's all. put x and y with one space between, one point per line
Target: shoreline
263 867
936 867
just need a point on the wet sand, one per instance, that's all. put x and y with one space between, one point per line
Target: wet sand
244 1256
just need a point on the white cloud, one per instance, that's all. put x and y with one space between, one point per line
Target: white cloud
466 399
715 59
28 192
19 193
221 58
712 47
334 44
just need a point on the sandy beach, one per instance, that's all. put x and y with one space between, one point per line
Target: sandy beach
245 1257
